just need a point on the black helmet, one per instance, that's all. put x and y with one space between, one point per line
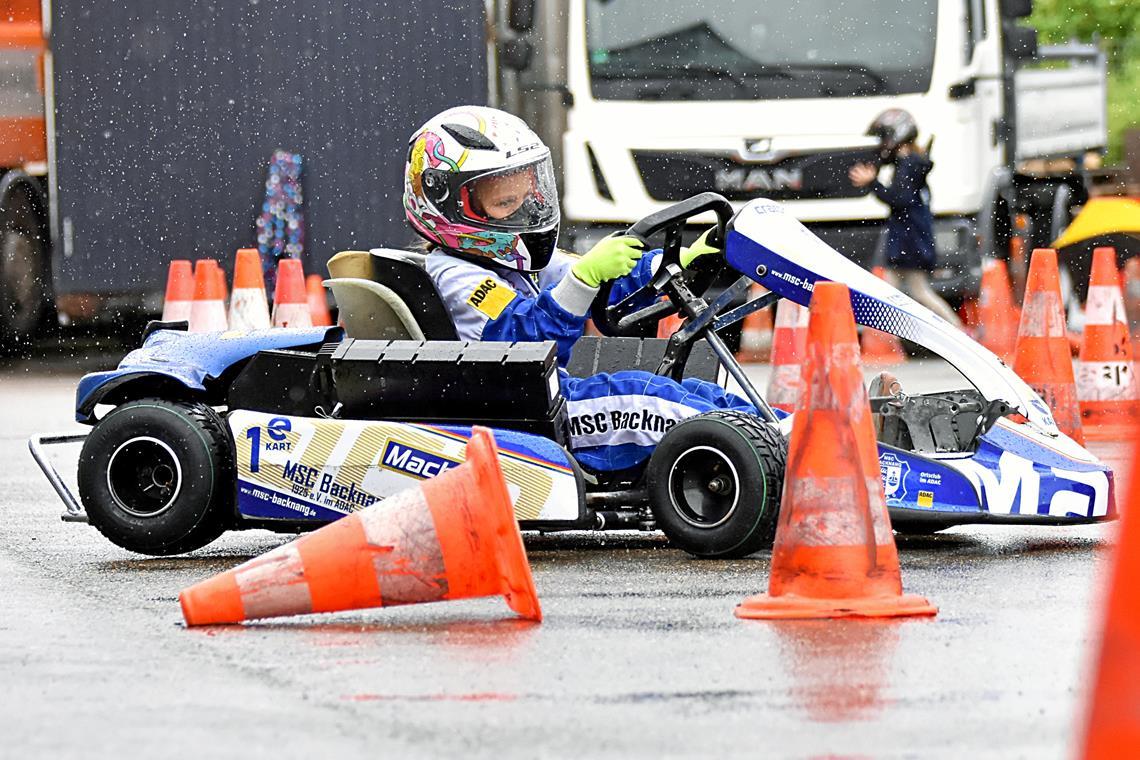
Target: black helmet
893 127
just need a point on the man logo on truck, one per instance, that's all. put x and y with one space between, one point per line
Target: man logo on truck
737 180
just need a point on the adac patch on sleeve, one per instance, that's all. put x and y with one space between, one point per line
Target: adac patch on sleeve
491 297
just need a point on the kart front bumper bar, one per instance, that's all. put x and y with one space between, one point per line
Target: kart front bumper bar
73 511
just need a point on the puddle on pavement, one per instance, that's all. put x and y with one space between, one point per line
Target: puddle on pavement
839 670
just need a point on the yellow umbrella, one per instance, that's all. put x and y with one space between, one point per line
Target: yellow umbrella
1101 217
1111 222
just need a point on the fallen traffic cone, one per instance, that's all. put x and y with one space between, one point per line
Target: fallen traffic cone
756 331
1112 728
1042 357
453 536
318 301
834 554
179 292
208 312
249 309
997 327
290 304
788 338
881 348
1106 383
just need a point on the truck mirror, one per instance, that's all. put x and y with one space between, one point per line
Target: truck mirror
1020 41
516 54
1016 8
520 16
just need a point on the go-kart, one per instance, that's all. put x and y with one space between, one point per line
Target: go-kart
198 433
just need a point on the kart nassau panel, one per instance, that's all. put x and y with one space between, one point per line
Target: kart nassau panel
1018 475
191 358
303 468
1015 472
773 248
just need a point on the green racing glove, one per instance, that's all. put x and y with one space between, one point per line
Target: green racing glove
611 258
699 248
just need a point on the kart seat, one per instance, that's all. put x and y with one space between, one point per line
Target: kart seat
386 294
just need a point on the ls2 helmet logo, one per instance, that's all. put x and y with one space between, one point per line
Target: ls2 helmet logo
893 471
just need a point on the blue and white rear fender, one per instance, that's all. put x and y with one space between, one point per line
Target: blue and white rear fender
174 363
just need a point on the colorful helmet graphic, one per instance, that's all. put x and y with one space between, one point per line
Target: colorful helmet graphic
480 183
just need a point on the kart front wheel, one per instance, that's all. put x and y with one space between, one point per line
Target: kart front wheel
156 477
715 482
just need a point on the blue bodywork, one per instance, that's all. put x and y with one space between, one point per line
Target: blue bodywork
190 359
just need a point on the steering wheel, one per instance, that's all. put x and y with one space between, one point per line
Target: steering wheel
624 318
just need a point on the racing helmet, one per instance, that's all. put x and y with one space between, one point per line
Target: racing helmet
893 127
480 183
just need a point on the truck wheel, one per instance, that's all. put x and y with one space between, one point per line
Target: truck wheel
24 275
715 482
156 477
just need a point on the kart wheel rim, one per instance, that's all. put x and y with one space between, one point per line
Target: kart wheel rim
703 487
144 477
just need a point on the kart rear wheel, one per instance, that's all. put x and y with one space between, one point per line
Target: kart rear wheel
156 477
715 482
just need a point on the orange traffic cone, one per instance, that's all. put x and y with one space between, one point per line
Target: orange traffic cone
756 331
223 287
669 325
996 323
834 555
453 536
1112 729
208 312
290 304
1106 383
788 339
1131 277
881 348
249 310
179 292
318 301
1042 357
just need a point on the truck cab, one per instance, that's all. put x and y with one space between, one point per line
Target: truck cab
664 98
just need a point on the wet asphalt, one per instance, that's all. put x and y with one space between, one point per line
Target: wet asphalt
639 654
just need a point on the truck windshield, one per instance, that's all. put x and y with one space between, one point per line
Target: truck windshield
728 50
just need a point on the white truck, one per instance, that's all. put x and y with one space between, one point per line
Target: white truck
651 101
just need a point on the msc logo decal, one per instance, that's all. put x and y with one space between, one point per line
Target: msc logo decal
409 460
893 471
491 297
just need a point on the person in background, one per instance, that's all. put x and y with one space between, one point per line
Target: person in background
909 245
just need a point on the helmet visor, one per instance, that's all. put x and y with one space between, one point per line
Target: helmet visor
521 198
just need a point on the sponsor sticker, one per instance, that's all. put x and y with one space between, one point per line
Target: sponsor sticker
490 297
926 498
409 460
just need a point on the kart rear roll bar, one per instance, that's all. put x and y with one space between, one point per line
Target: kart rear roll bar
74 512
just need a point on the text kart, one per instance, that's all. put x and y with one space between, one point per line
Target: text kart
288 429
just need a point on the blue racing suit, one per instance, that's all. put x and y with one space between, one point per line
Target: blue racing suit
615 419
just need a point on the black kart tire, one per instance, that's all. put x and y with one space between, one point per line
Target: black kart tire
157 477
25 279
715 483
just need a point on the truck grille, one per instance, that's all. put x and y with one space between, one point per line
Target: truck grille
674 176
